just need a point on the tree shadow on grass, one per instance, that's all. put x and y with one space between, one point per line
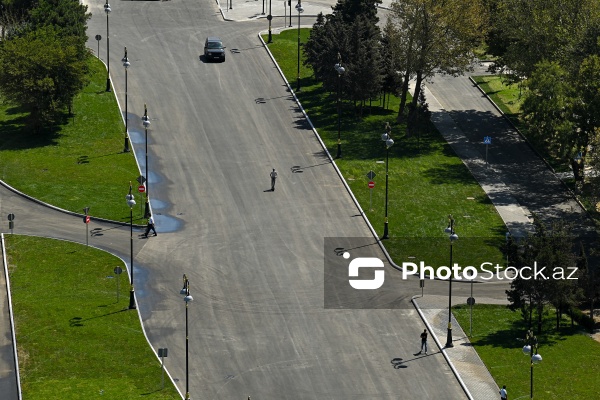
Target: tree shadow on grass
18 133
513 337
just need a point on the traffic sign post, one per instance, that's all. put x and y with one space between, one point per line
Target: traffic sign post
86 221
371 186
141 188
371 175
487 140
162 353
11 222
471 302
98 38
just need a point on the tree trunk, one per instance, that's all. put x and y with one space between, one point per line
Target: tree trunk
403 94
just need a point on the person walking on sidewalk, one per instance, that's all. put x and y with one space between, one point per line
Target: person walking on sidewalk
423 341
150 226
503 393
273 178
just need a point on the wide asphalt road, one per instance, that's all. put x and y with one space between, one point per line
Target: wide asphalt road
254 258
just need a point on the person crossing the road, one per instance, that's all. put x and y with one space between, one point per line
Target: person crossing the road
273 178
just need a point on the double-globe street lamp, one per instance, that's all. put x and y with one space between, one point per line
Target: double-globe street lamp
131 202
146 123
126 64
107 10
300 11
188 298
453 238
389 142
530 349
340 70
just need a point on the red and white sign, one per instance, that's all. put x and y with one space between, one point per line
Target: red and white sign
141 188
371 185
87 219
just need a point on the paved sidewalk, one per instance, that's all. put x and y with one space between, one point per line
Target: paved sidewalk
463 359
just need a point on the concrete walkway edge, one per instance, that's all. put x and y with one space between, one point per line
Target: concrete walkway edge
9 374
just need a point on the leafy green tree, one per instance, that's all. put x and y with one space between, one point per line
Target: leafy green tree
548 109
328 38
352 34
542 30
364 67
436 37
42 72
550 250
67 17
350 10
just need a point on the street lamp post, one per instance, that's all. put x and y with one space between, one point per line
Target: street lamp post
107 10
300 11
188 298
270 18
389 142
453 238
146 123
531 349
131 202
340 70
126 64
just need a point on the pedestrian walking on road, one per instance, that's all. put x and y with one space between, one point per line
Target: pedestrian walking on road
150 226
273 178
423 341
503 393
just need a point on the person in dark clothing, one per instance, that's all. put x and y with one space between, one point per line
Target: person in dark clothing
423 341
150 227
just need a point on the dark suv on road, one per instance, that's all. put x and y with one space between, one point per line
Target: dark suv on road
213 49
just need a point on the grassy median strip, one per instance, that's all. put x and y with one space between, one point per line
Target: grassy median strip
79 163
427 181
570 358
75 340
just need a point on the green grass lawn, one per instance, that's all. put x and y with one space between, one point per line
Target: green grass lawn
571 359
77 164
74 339
427 181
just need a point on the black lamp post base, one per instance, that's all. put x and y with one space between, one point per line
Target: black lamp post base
132 300
147 209
385 231
108 84
126 146
449 338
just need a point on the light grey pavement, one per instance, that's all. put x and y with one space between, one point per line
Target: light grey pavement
254 258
